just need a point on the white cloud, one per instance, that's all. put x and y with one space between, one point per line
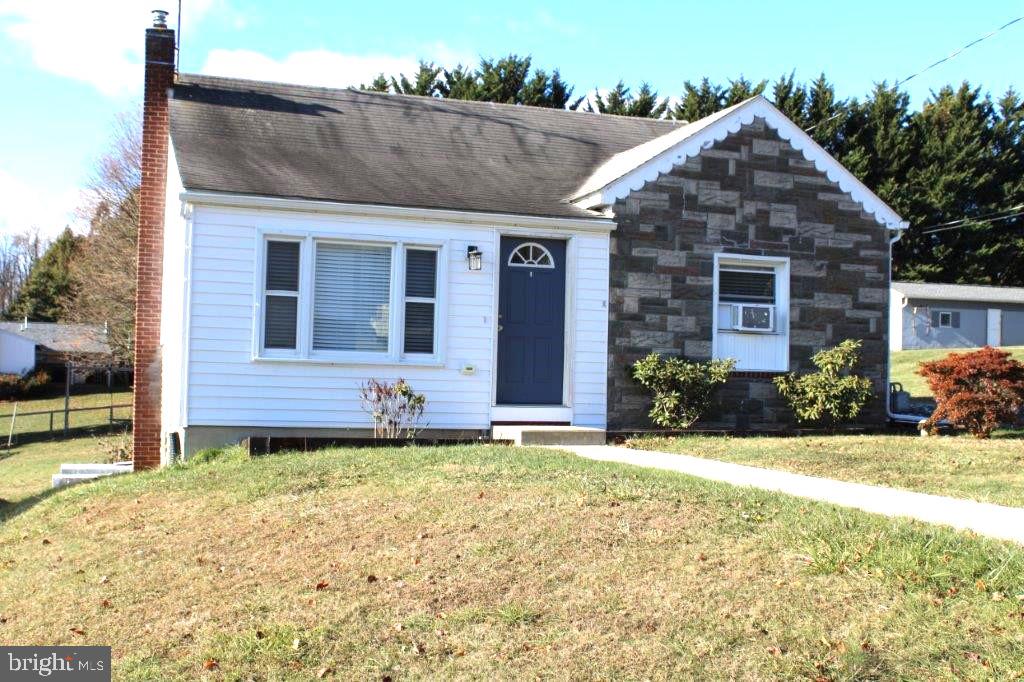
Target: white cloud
324 67
26 207
99 42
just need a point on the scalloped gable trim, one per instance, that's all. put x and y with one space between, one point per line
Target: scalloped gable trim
630 170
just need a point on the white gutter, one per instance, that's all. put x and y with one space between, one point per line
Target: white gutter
595 224
895 416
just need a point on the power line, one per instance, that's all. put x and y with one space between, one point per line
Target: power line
966 222
956 52
930 66
976 218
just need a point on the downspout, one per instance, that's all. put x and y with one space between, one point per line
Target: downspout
895 416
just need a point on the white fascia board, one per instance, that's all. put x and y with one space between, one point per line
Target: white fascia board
223 199
630 170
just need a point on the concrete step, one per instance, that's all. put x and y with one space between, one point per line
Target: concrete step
522 434
64 478
116 468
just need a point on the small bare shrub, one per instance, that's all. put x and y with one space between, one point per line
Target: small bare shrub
116 447
395 408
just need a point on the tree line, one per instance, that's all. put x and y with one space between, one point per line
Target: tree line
959 158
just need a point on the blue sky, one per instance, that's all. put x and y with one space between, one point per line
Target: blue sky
69 67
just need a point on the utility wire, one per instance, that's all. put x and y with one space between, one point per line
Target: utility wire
954 53
951 55
966 222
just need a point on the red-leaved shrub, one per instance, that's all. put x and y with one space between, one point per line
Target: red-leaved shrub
977 391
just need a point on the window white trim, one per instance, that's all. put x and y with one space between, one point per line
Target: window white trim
304 352
945 319
773 353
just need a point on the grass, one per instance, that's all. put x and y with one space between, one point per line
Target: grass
87 396
958 466
905 364
489 561
25 470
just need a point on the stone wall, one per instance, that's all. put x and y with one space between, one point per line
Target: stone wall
751 193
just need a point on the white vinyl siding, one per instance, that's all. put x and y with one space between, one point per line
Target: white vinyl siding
231 382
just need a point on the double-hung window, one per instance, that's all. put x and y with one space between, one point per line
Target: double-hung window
751 311
281 295
353 302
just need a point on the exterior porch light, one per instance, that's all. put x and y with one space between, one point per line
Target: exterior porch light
475 258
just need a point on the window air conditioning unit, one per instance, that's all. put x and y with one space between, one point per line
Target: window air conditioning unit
753 317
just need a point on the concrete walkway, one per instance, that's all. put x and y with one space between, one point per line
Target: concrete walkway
1005 523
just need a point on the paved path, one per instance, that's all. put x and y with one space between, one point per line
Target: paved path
1006 523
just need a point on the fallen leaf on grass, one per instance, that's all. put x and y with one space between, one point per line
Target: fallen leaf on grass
774 651
46 541
77 631
105 603
322 585
371 578
324 672
211 664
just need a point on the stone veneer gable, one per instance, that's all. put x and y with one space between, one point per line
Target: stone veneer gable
751 193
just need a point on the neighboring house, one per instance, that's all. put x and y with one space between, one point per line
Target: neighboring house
27 346
955 316
509 262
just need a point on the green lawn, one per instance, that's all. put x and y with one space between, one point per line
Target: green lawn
959 466
905 364
87 396
494 562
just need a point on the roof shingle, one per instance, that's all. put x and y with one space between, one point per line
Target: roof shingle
271 139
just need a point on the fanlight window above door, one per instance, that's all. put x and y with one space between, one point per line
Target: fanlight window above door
531 255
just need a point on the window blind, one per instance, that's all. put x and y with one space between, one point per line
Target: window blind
352 289
279 318
420 293
746 286
282 266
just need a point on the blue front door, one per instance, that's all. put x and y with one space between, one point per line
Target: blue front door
531 321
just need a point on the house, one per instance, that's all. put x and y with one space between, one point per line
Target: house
509 262
27 346
955 316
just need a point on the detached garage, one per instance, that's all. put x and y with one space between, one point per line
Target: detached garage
955 316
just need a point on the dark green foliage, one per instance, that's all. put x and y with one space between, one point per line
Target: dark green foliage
961 156
49 288
621 102
682 389
831 395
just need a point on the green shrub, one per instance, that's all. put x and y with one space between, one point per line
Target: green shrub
35 383
682 389
831 395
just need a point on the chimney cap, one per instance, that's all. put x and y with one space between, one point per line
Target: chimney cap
159 18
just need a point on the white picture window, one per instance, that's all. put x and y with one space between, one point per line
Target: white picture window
945 318
348 301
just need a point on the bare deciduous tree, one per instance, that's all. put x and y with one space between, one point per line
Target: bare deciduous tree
105 269
17 256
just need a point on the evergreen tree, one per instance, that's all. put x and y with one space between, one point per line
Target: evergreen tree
699 101
620 102
826 116
49 288
379 84
741 89
791 99
424 83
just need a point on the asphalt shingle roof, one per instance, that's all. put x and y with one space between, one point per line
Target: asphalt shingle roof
960 292
58 336
271 139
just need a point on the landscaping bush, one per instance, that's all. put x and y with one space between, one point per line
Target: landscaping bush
682 389
116 447
16 386
831 395
394 408
977 391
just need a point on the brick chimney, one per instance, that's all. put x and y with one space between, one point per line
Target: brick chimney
159 78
